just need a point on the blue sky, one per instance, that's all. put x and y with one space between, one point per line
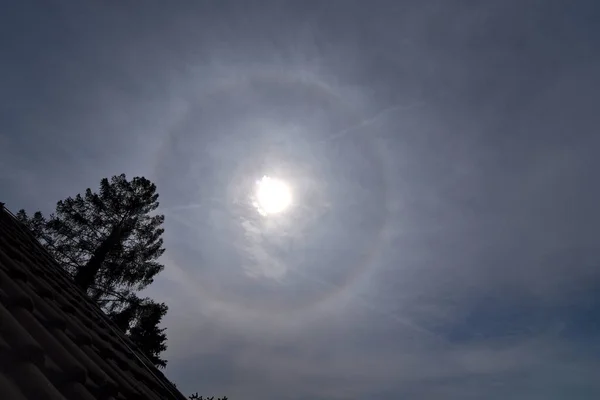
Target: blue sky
443 241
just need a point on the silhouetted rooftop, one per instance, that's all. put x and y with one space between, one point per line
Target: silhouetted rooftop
55 343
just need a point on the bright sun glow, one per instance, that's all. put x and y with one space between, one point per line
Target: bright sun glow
272 195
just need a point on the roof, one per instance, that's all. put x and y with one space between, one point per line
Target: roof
55 343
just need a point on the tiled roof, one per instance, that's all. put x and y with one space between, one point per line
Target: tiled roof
55 343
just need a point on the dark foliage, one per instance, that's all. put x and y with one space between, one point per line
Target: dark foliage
145 332
110 242
196 397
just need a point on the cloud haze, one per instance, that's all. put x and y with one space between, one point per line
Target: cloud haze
443 241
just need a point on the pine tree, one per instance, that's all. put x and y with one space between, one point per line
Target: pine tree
146 334
140 320
110 242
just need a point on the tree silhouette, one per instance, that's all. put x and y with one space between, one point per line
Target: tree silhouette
145 332
196 397
110 242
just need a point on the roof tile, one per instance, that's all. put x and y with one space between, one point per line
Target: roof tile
9 390
33 382
76 391
67 363
15 296
24 346
7 355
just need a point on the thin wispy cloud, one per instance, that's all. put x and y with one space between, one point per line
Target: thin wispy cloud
374 119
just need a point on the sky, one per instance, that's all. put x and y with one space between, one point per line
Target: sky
442 241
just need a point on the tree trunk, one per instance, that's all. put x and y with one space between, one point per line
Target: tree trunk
86 275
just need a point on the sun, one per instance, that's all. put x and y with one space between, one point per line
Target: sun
272 195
